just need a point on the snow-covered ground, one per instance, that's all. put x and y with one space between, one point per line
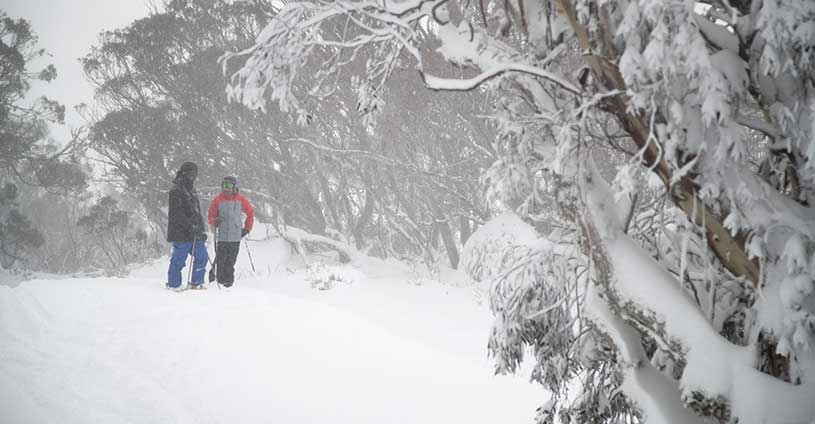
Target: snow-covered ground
387 348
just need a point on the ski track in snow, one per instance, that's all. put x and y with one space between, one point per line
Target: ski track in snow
113 350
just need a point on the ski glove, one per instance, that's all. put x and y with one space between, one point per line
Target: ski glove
202 237
218 221
244 232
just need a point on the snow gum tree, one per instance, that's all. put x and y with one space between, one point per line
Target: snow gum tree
663 153
365 183
110 231
28 160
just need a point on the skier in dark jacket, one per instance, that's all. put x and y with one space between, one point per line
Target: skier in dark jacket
225 214
185 229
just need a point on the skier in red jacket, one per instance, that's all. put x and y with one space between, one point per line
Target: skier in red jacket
225 215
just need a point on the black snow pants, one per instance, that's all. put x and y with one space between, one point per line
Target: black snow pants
225 255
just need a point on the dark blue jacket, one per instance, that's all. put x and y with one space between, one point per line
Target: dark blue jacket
184 220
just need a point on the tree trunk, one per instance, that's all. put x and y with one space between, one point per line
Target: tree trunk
464 230
364 218
447 237
316 222
326 190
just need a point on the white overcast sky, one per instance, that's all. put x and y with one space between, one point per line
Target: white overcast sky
67 29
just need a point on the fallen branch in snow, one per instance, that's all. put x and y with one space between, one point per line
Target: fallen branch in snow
296 237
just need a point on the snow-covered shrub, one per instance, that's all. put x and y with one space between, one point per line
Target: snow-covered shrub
494 246
326 277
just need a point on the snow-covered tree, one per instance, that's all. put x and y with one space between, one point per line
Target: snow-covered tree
367 183
664 153
111 236
29 160
27 156
17 235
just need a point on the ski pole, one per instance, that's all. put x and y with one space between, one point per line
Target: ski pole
214 263
189 271
250 254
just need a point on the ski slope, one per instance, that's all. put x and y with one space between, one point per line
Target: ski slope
382 349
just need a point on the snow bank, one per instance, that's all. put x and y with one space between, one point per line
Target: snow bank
272 349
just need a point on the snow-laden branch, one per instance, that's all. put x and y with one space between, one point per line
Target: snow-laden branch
655 393
344 152
437 83
645 293
716 34
715 367
768 128
403 7
437 174
355 42
274 63
386 30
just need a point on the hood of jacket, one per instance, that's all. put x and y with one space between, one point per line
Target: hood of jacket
182 180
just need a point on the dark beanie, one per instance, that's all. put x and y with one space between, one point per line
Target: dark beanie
188 167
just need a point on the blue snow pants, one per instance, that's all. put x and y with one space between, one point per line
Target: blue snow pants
182 249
